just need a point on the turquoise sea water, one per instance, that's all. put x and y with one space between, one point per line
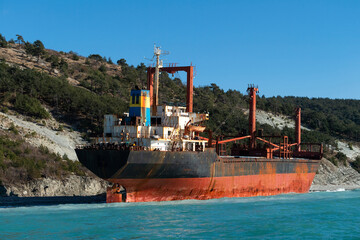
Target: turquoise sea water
319 215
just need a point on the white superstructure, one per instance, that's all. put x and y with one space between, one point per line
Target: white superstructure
172 129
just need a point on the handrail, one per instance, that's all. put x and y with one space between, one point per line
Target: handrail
233 139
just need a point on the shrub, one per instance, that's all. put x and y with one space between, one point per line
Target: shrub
2 165
4 109
13 129
63 65
36 49
20 162
54 60
356 164
65 157
27 150
102 68
334 161
96 57
3 42
75 57
57 157
73 166
122 62
341 157
30 106
43 149
32 134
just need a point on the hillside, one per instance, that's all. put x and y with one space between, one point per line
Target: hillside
330 118
62 97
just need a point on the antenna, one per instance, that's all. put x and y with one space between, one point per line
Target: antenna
158 51
149 59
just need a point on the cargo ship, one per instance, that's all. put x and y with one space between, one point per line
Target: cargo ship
160 152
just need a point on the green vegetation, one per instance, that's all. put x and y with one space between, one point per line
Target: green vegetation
19 39
102 69
334 161
121 62
101 93
72 102
356 164
3 42
54 60
73 167
338 158
36 49
336 117
341 157
21 162
96 57
30 106
32 134
13 129
75 57
27 91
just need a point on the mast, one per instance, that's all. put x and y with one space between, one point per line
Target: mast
298 129
157 53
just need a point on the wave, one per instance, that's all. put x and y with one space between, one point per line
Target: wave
337 190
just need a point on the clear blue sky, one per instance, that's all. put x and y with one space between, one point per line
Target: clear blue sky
288 48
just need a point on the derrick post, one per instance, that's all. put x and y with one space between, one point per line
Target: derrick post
298 129
150 84
217 145
252 90
210 139
189 87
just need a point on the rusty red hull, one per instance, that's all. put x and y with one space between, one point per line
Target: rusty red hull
163 176
145 190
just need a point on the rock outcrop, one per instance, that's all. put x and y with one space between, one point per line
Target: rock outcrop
331 177
47 187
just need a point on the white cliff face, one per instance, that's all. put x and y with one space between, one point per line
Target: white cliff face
47 187
61 142
351 152
275 120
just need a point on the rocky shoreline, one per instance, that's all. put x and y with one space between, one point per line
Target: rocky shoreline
48 187
331 178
